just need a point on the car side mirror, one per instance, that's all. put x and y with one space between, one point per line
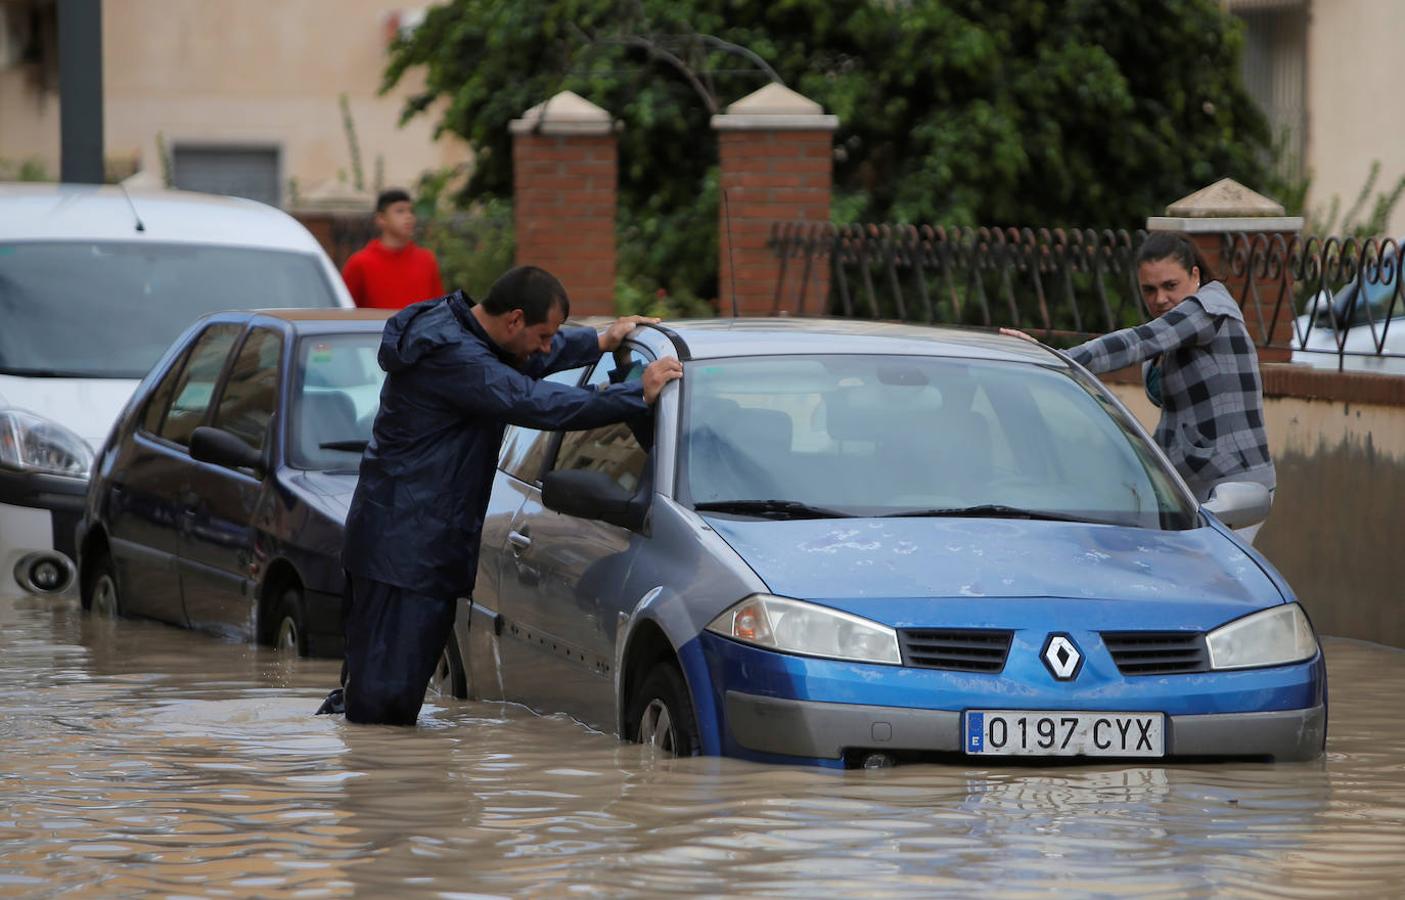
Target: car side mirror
217 446
1239 504
589 494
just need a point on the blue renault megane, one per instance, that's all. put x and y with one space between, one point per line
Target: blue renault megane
846 543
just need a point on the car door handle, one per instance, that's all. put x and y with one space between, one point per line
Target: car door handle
519 541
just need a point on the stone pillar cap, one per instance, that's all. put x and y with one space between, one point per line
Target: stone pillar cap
775 108
1225 205
333 196
1225 198
565 113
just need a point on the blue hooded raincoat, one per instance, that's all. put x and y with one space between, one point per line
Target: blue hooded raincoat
417 515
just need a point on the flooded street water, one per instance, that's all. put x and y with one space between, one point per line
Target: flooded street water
141 758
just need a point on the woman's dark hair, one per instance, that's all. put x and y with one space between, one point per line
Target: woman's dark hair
534 291
1161 245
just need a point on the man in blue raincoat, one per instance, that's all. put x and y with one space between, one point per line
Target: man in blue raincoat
458 374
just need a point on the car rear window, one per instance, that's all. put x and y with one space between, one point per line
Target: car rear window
95 309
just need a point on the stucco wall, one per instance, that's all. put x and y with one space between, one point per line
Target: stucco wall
1336 527
255 72
1354 49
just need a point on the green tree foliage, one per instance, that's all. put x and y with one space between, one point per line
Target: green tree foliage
993 112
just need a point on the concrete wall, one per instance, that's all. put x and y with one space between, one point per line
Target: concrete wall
255 72
1354 49
1336 528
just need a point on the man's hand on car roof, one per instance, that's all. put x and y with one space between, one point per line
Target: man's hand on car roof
613 336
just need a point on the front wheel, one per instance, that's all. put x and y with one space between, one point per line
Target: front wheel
289 632
661 713
100 594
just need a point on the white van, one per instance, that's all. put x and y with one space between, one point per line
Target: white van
95 283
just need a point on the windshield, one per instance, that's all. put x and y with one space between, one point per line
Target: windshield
91 309
808 436
336 393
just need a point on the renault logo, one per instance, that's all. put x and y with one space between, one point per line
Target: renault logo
1062 657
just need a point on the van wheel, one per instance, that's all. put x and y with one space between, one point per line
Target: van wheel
100 594
448 679
289 633
661 713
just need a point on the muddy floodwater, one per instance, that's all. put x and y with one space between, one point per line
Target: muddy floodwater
138 758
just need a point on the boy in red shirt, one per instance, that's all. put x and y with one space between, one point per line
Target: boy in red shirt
391 272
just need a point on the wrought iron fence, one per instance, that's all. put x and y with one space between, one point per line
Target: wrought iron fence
1330 302
1335 302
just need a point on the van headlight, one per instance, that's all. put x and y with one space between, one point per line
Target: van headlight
1274 637
32 443
793 626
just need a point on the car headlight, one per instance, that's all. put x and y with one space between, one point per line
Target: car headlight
1273 637
32 443
792 626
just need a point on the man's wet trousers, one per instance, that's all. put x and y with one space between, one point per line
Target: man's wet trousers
394 639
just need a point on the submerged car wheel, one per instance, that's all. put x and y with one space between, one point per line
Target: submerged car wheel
100 595
661 714
289 635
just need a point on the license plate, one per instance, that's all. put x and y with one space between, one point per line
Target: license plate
1006 732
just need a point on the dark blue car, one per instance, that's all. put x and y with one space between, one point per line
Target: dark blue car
219 498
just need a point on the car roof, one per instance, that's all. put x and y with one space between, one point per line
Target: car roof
46 212
329 321
716 338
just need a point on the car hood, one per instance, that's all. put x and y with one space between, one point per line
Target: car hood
327 492
892 569
85 406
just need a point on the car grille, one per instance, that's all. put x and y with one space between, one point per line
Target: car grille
1157 652
964 650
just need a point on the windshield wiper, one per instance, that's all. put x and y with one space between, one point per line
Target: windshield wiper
356 446
771 509
989 511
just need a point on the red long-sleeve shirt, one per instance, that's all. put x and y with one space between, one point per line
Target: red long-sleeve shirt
382 278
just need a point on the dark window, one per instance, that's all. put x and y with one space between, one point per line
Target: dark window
524 449
251 391
196 385
161 397
612 449
237 171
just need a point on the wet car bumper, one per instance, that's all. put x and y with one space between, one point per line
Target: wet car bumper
803 728
39 516
773 705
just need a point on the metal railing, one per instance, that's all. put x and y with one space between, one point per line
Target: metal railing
1330 302
1324 298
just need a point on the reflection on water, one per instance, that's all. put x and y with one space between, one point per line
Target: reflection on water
144 758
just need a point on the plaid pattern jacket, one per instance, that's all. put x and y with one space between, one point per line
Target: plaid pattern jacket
1212 419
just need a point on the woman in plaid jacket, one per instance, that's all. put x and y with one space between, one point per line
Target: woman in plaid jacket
1200 367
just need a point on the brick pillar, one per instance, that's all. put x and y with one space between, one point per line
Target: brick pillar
776 153
1224 207
565 169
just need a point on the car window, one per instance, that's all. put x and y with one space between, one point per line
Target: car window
250 392
144 294
873 435
613 449
160 399
524 450
336 393
196 385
